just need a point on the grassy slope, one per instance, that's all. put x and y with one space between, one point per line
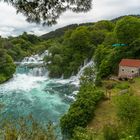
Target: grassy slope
105 112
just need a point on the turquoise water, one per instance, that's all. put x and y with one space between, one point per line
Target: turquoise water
46 99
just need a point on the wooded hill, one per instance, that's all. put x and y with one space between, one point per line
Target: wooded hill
61 31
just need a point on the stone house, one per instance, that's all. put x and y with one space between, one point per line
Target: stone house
129 68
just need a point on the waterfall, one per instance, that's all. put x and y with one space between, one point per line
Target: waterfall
38 71
33 65
34 59
75 80
86 65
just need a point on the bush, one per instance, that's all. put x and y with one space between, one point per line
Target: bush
7 66
110 133
82 110
26 129
128 108
122 86
83 134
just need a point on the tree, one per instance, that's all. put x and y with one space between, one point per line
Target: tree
57 59
128 29
134 49
97 37
55 49
100 53
7 66
80 39
104 25
48 11
110 39
88 76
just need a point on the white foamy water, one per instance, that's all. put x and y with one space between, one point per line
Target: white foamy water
21 82
75 80
41 71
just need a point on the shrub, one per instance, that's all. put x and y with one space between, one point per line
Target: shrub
26 129
110 133
82 110
128 108
122 86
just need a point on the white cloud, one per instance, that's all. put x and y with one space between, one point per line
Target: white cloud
14 24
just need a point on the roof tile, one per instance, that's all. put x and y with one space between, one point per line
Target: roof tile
130 62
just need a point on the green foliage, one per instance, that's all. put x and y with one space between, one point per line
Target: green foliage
55 49
15 49
88 76
111 133
97 36
128 111
100 53
26 45
67 56
128 29
47 12
104 25
7 66
80 39
82 110
95 41
122 86
83 134
57 59
105 68
134 49
110 39
26 129
106 57
128 108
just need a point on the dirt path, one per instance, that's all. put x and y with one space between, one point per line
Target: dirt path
104 114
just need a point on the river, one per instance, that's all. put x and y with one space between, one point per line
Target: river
31 91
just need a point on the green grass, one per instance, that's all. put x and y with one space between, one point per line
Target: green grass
106 112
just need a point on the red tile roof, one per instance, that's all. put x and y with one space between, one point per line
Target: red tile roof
130 62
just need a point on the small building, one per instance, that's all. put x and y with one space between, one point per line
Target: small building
129 68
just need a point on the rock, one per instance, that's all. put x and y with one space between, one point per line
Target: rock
122 92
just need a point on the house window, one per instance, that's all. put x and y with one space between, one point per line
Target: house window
122 69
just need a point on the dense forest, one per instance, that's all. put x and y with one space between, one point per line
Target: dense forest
109 42
70 48
94 41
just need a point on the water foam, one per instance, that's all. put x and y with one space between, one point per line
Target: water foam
22 82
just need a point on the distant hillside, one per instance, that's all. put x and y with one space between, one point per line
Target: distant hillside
118 18
60 31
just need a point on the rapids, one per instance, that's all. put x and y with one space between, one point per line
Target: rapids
31 91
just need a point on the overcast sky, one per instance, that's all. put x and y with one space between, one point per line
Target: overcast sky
12 24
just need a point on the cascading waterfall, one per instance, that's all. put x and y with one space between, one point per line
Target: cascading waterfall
34 65
31 91
76 79
86 65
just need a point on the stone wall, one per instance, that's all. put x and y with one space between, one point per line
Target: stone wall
125 71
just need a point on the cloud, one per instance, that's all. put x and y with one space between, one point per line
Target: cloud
12 24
